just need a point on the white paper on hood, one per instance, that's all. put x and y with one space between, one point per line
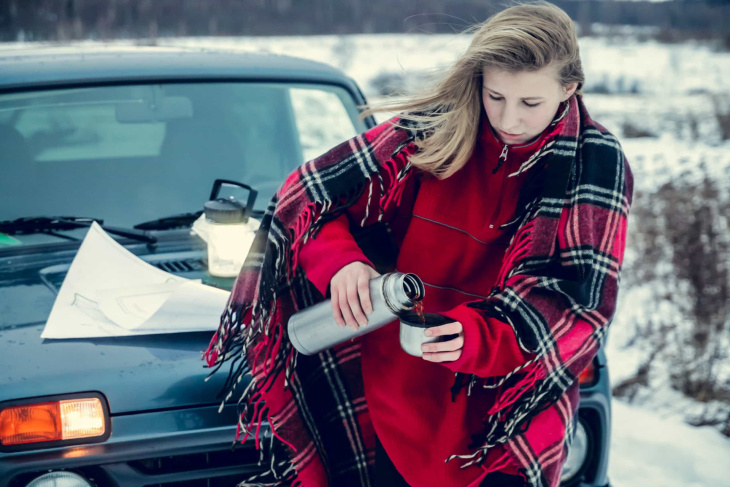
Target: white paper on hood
109 291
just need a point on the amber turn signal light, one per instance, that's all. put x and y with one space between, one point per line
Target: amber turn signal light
588 374
52 421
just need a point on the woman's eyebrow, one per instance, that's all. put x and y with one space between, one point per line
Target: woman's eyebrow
526 98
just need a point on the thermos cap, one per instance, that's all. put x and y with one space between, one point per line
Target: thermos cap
224 210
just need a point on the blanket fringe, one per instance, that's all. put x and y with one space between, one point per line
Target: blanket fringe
254 333
517 390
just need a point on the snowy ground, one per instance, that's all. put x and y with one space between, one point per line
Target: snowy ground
650 450
672 93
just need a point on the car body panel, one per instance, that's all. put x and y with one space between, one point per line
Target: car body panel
54 67
149 440
135 373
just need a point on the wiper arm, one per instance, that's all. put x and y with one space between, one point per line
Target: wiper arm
179 221
187 219
170 222
47 223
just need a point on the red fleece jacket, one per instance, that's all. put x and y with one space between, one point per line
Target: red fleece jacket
451 240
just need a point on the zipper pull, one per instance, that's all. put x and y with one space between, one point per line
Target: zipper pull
502 158
503 155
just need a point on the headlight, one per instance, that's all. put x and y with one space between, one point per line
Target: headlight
54 421
577 454
60 479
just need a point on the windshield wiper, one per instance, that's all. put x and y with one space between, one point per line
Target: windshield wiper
187 219
47 224
179 221
170 222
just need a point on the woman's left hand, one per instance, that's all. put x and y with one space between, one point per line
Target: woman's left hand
444 351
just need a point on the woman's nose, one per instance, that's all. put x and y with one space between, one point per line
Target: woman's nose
510 120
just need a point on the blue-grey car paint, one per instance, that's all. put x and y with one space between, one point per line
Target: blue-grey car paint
159 403
46 68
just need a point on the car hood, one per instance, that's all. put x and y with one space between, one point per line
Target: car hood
138 373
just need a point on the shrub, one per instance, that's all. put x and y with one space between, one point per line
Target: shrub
681 235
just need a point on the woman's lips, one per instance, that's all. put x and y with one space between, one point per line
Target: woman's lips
501 132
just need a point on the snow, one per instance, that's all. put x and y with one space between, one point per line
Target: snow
618 63
648 449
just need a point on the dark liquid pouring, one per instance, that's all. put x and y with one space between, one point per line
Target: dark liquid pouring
412 291
418 308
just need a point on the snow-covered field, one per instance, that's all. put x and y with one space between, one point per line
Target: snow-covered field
648 449
664 102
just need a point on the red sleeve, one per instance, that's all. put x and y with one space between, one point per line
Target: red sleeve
331 250
334 246
490 346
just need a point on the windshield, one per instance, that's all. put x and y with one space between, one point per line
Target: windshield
133 153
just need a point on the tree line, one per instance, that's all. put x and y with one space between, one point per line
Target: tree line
61 20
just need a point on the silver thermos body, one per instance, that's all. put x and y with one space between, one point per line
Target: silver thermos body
314 329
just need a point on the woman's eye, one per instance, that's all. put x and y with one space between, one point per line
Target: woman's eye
526 104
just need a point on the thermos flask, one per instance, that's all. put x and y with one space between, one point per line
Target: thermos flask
314 329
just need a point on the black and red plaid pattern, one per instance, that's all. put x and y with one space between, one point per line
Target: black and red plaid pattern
557 288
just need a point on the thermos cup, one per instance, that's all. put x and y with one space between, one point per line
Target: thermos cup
413 328
314 329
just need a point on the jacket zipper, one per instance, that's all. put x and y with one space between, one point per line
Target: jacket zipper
502 159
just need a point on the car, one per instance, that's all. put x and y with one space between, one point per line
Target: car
134 138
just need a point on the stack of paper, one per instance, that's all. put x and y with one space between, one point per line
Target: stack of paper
109 291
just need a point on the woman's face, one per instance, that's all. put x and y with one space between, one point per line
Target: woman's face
520 105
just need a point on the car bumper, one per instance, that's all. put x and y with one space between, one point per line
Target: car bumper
166 448
150 448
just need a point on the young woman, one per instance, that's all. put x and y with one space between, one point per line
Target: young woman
496 189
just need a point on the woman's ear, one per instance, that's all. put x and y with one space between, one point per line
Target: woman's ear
569 89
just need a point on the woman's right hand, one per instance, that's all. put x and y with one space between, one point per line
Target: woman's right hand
350 294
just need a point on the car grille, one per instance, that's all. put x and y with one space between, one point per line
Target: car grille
217 468
195 461
178 266
198 468
227 481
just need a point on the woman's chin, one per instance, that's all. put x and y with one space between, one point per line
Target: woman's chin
512 140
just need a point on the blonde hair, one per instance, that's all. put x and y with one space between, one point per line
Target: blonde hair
524 37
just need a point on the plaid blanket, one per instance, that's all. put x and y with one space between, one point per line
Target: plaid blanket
557 288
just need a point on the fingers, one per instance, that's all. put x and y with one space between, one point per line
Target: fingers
363 289
448 329
442 356
448 346
350 295
347 311
335 300
353 299
447 351
372 272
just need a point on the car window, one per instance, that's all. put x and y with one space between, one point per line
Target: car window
133 153
78 125
322 120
